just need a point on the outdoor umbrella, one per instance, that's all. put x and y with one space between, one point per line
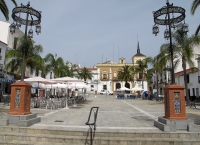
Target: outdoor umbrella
124 89
68 80
39 80
137 89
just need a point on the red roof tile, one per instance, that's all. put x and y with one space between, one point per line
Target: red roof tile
88 68
187 71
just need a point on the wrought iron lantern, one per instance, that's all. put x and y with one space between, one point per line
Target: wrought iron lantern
12 28
155 30
185 28
26 9
34 21
166 34
30 33
18 24
165 16
38 29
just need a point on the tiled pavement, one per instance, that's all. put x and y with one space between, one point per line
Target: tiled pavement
114 115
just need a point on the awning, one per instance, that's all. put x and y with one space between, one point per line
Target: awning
7 80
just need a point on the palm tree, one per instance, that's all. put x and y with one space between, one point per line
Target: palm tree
148 75
142 68
32 57
65 71
183 50
195 4
126 74
54 64
85 74
4 8
73 72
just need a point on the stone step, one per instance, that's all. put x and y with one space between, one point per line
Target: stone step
15 142
17 130
106 141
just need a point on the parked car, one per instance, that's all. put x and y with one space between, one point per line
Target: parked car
110 93
104 92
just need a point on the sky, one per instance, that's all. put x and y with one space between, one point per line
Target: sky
88 32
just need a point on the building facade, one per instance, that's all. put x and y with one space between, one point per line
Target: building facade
7 42
164 78
108 72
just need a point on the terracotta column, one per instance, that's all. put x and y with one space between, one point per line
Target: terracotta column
174 102
20 98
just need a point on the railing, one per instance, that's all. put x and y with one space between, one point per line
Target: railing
93 123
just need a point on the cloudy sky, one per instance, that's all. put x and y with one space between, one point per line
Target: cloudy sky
88 32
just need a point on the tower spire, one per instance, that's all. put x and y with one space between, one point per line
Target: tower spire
138 48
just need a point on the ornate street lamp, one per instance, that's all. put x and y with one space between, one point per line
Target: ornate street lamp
29 11
171 22
12 28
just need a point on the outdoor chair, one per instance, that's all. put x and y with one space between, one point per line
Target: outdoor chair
57 103
5 98
71 100
42 102
63 102
49 104
32 102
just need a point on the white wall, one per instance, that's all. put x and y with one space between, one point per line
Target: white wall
193 82
3 48
4 31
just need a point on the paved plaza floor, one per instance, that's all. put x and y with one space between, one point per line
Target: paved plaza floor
115 115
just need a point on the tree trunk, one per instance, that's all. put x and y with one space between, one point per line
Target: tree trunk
142 80
157 85
185 81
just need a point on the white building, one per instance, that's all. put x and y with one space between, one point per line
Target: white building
7 42
193 80
192 76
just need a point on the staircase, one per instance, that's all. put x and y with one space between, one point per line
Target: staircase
12 135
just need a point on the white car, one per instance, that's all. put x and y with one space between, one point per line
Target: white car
111 93
104 92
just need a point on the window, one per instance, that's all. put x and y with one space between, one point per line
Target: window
188 78
199 78
140 75
115 74
1 70
189 92
104 76
0 50
193 90
50 75
161 92
197 92
105 87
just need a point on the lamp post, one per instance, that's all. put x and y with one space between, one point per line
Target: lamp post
171 22
32 13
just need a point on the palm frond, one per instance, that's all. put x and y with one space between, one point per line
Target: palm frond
195 4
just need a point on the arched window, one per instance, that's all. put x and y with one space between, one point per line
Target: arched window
127 85
104 75
117 86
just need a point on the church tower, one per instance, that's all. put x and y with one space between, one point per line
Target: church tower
138 55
